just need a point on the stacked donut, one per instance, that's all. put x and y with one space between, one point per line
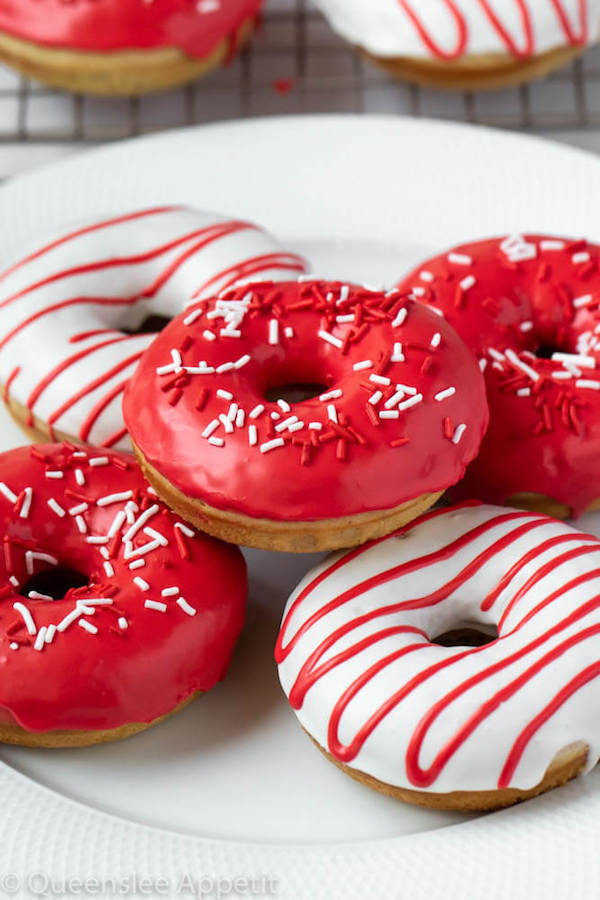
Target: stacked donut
450 658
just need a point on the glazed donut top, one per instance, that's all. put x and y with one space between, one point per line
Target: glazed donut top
194 26
529 307
73 312
89 659
398 406
449 29
358 659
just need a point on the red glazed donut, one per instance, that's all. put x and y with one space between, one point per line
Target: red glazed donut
396 411
529 308
121 46
100 592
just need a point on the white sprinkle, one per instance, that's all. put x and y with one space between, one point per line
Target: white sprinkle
460 259
97 539
99 461
586 362
155 604
26 503
483 364
81 524
467 283
578 302
460 430
344 293
226 423
141 521
252 435
346 318
31 556
212 426
588 383
298 426
400 318
516 361
398 354
230 332
14 581
224 395
273 332
524 392
79 477
425 275
418 291
8 493
40 639
53 474
582 257
331 339
389 414
436 340
412 401
117 524
240 418
185 529
87 626
288 331
77 510
332 412
552 245
257 411
35 595
315 426
406 388
56 507
394 399
331 395
281 426
27 617
225 367
122 623
526 326
216 441
143 585
380 379
365 364
275 416
185 606
137 564
272 445
202 369
108 568
13 645
68 620
232 412
209 335
443 395
242 361
104 553
517 249
114 498
284 406
191 318
375 398
169 592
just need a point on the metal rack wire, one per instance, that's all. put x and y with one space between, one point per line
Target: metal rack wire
294 64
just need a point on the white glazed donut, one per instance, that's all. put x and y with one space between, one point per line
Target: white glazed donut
452 31
473 727
69 311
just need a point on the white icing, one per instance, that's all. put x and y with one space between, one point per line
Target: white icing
479 761
385 29
43 345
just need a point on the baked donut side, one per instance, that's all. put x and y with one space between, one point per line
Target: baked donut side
453 664
529 308
78 311
122 46
305 415
467 45
100 590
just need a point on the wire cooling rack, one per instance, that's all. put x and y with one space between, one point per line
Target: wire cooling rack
294 64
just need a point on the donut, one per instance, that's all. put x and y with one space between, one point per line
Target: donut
455 663
77 312
114 612
122 46
529 308
466 44
305 415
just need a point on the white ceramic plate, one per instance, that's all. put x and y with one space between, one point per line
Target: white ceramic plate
232 787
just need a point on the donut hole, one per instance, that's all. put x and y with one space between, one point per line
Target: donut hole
294 392
152 324
467 636
546 351
55 582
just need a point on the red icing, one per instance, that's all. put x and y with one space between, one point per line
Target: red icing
90 681
358 463
314 669
512 47
547 442
105 25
